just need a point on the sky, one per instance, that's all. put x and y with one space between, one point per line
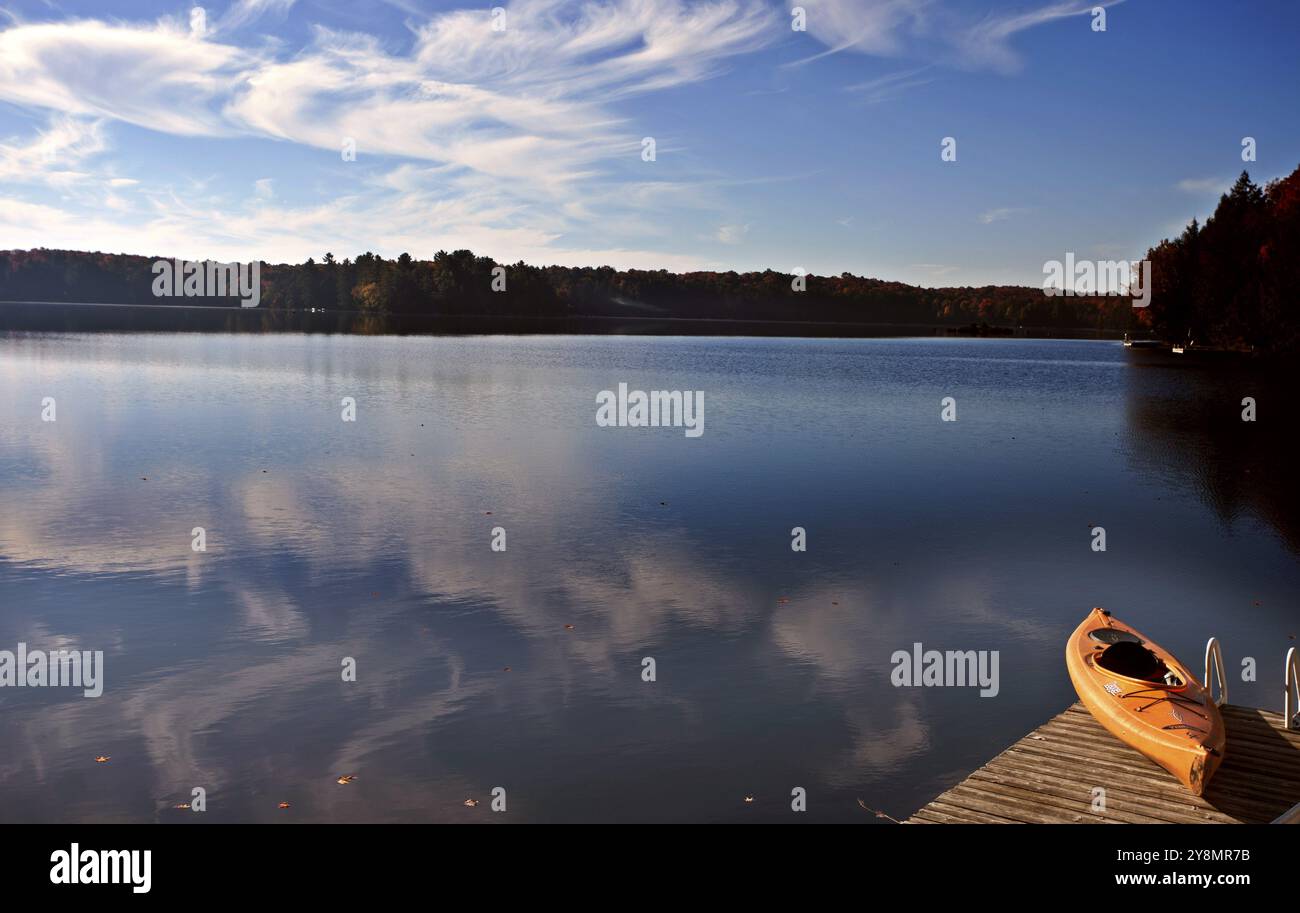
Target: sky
223 131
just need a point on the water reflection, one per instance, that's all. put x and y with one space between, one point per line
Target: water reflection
370 540
1186 424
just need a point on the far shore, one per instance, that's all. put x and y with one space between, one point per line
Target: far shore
90 317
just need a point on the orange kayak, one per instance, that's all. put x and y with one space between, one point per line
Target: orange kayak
1146 698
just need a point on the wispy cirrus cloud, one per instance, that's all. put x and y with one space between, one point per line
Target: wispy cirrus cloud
1001 214
938 32
518 129
987 44
883 28
245 12
883 88
156 76
54 154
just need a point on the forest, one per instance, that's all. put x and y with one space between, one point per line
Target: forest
1231 283
1224 284
459 283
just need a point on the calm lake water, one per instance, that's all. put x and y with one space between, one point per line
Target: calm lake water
372 540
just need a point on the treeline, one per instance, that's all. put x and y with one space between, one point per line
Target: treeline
1232 282
1229 283
462 284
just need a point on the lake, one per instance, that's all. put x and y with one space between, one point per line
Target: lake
368 545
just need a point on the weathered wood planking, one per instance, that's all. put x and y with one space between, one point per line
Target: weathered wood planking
1048 777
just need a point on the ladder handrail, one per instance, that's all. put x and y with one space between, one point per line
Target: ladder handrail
1213 651
1291 708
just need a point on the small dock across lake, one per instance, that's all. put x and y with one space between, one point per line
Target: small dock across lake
1048 777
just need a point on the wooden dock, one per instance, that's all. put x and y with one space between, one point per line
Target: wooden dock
1048 777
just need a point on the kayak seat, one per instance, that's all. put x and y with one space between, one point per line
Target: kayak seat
1132 660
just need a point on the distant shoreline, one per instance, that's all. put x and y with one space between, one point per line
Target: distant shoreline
90 317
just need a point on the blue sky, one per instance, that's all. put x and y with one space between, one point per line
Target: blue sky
132 127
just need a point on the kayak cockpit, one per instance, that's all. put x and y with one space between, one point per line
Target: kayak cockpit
1130 659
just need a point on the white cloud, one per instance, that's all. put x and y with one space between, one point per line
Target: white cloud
933 270
929 29
999 215
421 223
732 234
1205 185
246 12
506 142
55 155
154 76
883 88
878 27
988 44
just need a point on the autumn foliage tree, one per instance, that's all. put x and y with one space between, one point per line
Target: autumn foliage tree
1232 282
460 283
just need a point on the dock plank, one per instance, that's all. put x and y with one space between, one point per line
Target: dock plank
1048 777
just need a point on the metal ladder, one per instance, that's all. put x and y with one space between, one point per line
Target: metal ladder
1291 717
1213 651
1291 684
1291 707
